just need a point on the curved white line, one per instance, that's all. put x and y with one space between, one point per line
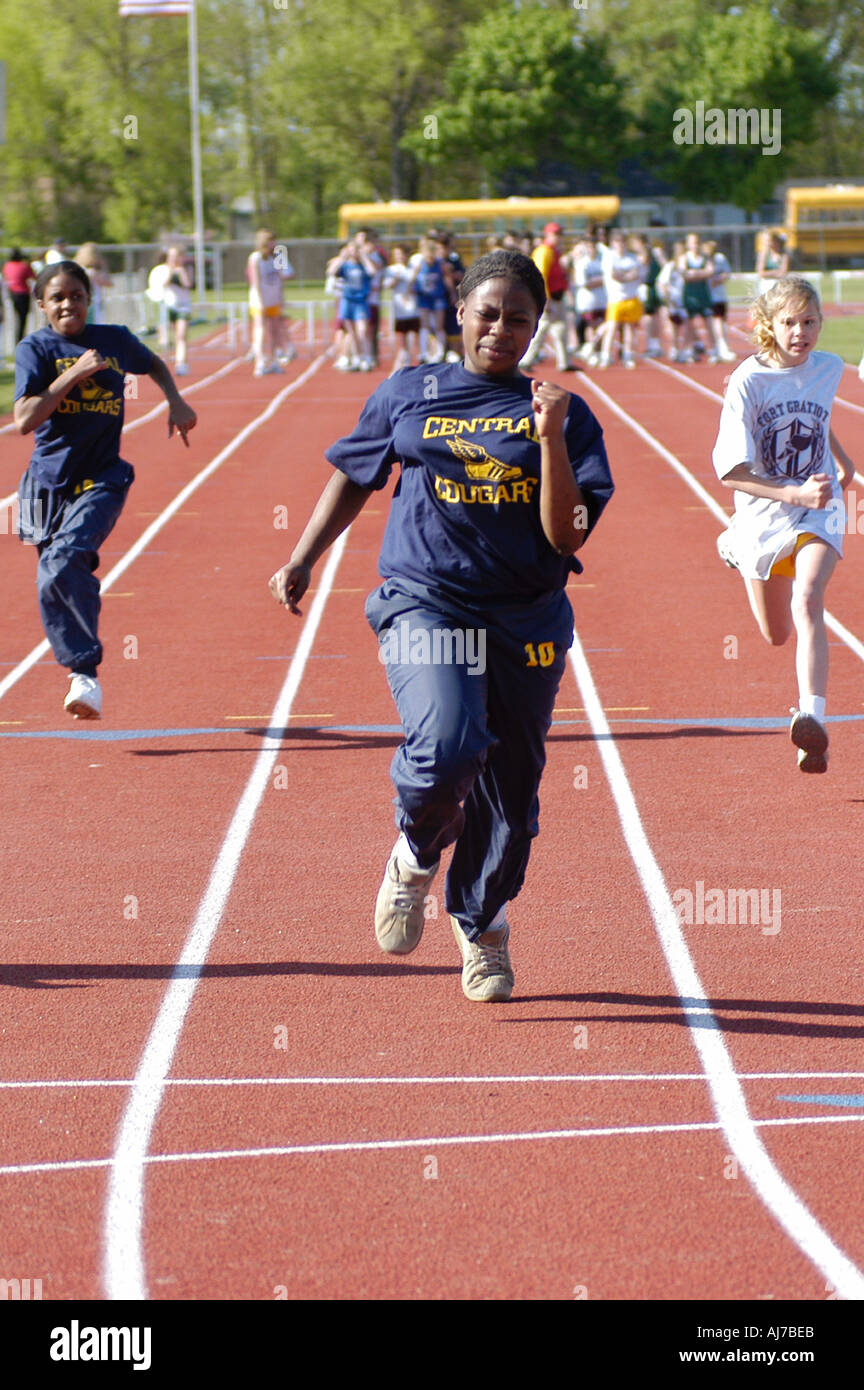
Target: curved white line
728 1098
123 1271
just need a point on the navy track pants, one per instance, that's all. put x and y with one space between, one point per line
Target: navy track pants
475 728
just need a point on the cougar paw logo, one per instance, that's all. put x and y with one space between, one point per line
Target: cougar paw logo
480 464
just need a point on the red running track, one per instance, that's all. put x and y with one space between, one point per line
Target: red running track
291 1114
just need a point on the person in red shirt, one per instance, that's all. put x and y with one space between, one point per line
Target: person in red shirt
19 276
547 258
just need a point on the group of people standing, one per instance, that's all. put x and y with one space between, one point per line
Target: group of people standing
617 282
424 287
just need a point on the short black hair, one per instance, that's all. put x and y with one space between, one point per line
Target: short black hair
47 273
508 265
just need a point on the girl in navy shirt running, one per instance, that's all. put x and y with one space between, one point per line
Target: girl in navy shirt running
69 393
502 479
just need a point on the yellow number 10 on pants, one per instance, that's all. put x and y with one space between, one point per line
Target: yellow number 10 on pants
542 655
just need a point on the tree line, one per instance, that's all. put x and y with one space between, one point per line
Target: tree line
306 104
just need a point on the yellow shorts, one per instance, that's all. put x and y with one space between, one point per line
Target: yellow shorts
625 311
786 566
273 311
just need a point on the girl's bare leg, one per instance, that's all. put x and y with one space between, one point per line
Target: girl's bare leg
771 602
814 565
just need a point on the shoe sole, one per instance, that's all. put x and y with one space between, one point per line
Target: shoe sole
79 710
813 762
808 734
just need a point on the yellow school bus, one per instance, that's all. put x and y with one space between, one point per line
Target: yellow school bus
475 218
827 221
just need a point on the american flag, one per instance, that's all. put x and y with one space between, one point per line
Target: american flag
130 7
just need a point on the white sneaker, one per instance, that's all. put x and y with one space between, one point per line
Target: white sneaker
84 700
487 975
181 368
400 909
341 364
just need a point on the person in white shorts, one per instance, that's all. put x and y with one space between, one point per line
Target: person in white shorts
789 472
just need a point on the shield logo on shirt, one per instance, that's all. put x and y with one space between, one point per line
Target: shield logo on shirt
794 450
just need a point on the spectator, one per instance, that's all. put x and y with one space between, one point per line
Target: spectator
398 278
19 276
265 276
553 320
97 272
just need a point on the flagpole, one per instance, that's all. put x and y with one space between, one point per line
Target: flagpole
197 195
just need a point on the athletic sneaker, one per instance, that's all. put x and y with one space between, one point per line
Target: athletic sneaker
84 700
727 355
181 368
629 361
400 907
726 552
487 975
811 740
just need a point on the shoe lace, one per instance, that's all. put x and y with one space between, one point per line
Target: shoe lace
494 957
406 894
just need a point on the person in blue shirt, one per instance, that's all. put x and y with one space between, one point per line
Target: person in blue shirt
69 380
354 269
502 479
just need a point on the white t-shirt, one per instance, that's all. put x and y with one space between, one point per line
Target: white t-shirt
777 420
398 278
670 285
618 290
588 298
270 277
721 267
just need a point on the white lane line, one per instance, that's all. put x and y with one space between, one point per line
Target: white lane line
123 1269
429 1141
567 1078
6 502
832 623
727 1096
165 516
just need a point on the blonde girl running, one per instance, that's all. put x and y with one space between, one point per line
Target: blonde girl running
776 449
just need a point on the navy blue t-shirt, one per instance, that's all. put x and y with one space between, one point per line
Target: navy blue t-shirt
81 438
465 515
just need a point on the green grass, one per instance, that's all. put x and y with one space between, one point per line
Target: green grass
7 390
845 337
